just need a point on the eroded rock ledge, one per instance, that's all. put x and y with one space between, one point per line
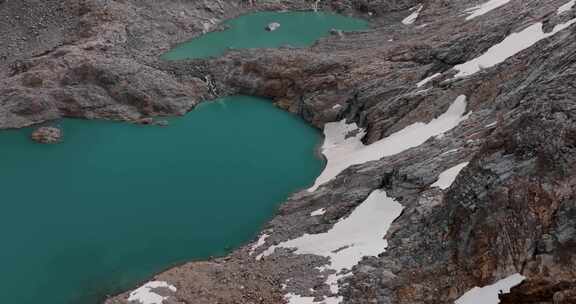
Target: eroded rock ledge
510 210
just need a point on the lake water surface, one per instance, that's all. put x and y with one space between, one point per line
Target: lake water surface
297 29
116 202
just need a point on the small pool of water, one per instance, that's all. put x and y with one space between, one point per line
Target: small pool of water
297 29
115 202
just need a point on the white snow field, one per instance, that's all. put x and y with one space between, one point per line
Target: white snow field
296 299
446 178
261 241
358 235
489 294
484 8
318 212
510 46
342 152
412 17
566 7
427 79
145 295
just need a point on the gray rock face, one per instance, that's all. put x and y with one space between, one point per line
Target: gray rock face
511 210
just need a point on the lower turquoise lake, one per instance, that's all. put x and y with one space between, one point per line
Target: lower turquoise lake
297 29
115 203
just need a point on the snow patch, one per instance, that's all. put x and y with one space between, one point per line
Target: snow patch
484 8
446 178
566 7
318 212
510 46
145 294
261 241
412 17
296 299
426 80
360 234
420 92
342 152
489 294
450 151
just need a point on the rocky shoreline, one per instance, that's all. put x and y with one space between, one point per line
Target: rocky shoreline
510 210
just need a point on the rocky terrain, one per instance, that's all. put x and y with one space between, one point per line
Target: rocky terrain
510 210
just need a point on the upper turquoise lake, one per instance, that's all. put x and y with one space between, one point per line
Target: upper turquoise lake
297 29
115 203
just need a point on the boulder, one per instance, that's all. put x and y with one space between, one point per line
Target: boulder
47 135
272 26
145 121
337 32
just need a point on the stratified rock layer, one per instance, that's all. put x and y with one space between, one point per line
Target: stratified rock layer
511 210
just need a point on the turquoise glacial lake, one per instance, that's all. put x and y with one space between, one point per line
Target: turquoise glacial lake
297 29
115 203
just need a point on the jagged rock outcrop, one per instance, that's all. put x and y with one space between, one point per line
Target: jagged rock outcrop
510 210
